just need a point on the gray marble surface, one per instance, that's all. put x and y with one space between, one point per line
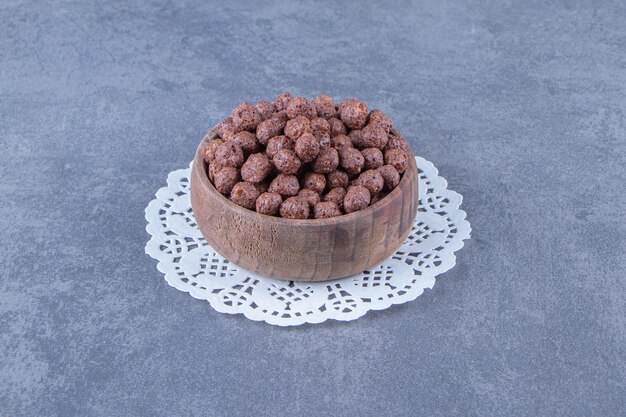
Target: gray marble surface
521 105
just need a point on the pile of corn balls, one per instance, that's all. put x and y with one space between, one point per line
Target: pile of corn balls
302 159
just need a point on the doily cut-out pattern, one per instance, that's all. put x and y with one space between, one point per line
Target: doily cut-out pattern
192 266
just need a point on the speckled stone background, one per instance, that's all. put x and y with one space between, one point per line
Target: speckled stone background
520 104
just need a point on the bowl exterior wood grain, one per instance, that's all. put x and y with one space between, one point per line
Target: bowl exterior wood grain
304 250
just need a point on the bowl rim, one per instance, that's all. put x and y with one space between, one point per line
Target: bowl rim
338 220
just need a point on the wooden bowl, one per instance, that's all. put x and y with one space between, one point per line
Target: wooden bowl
303 250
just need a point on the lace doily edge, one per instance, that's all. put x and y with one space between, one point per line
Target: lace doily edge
464 233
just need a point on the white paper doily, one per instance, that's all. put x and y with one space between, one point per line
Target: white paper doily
192 266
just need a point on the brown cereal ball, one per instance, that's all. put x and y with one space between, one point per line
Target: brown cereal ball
337 179
320 125
373 137
357 198
380 119
285 185
212 170
277 143
372 180
327 161
246 117
307 147
326 209
226 128
268 129
268 203
299 106
229 154
266 109
353 113
377 198
351 160
246 141
337 127
286 161
282 101
373 158
297 127
309 196
397 142
314 181
397 158
294 208
341 141
336 195
244 194
356 139
225 179
323 138
325 106
256 168
208 150
390 175
282 117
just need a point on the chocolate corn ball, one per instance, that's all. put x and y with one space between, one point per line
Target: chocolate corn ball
356 139
212 169
373 137
326 209
285 185
325 106
336 195
244 194
314 181
268 129
268 203
323 138
297 127
225 179
282 117
372 180
337 179
226 128
246 141
307 147
286 161
294 208
380 119
397 158
390 175
397 142
208 150
266 109
282 101
321 130
353 113
256 168
310 196
299 106
229 154
246 117
337 127
357 198
378 197
341 141
320 125
327 161
351 160
277 143
373 158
